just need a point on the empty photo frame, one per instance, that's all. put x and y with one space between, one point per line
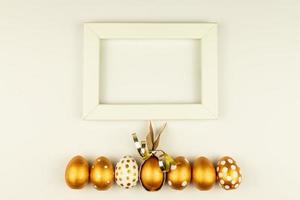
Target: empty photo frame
150 71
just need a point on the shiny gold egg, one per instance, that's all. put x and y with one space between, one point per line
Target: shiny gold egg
180 176
203 174
77 172
228 173
151 176
102 173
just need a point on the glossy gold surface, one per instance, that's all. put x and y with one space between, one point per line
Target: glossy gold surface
203 174
180 177
102 173
151 176
77 172
228 173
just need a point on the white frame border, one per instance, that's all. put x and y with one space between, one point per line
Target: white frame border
94 32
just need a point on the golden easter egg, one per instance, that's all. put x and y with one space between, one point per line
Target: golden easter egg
151 176
180 176
228 173
102 173
203 174
77 172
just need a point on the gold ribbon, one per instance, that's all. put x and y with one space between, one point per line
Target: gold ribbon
148 147
141 147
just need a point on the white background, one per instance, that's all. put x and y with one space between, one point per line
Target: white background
40 97
150 71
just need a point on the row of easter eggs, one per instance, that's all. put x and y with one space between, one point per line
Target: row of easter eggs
126 173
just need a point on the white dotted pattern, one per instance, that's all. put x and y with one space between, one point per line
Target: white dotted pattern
229 176
126 172
184 183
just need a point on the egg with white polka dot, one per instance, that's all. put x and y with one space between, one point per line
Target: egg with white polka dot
127 172
228 173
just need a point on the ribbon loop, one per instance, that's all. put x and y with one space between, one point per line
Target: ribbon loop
165 161
141 147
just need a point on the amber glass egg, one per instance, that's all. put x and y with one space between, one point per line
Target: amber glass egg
151 176
180 176
102 173
203 174
77 172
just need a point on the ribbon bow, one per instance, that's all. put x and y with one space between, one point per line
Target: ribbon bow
148 148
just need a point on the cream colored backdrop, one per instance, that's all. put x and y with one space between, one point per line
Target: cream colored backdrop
40 97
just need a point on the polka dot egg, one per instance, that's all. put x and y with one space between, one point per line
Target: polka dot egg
228 173
126 172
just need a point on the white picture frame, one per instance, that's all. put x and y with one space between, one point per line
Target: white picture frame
94 32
